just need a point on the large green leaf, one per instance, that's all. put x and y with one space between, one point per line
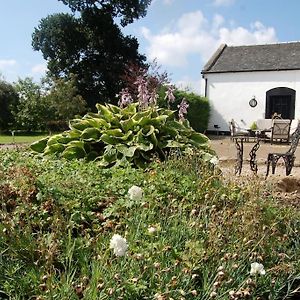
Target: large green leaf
128 124
54 148
79 124
73 152
198 138
99 123
126 151
40 145
110 154
107 139
117 132
105 112
91 134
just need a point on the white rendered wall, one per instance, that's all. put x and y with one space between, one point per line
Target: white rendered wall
229 95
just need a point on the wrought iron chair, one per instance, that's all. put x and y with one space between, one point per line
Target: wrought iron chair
288 157
280 130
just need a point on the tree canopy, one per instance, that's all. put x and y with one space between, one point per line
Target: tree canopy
127 10
8 100
91 46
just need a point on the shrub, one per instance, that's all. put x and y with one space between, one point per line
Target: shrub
119 135
198 112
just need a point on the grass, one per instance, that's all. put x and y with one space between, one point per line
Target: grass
20 139
58 216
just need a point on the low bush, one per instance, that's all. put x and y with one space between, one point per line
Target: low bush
124 135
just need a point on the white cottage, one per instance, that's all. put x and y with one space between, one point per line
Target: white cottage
246 83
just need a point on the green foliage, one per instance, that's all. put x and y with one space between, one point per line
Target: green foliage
91 46
63 98
8 102
58 216
41 107
198 111
127 10
118 136
32 111
253 126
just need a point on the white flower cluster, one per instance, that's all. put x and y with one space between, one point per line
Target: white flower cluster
257 268
119 245
135 193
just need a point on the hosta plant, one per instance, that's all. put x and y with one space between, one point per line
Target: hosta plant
117 135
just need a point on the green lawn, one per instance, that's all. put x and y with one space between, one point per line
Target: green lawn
19 139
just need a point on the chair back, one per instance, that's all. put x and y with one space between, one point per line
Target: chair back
294 140
281 129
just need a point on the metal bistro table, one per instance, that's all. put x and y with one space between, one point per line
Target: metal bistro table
239 143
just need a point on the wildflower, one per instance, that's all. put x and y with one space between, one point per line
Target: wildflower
183 106
135 193
152 229
169 96
257 268
118 244
125 98
214 160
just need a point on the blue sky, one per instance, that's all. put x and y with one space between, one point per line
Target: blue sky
180 34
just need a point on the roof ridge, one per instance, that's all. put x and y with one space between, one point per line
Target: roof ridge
214 57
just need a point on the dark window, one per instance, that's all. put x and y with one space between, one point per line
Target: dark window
280 100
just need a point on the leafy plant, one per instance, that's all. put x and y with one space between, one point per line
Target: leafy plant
117 135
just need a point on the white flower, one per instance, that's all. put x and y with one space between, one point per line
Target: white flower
257 268
214 160
118 244
135 193
152 229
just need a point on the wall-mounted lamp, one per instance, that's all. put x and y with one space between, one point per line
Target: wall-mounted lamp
253 102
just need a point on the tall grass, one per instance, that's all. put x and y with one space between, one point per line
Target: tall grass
57 219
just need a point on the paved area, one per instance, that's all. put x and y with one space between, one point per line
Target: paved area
227 153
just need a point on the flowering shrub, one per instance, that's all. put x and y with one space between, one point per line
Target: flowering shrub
115 136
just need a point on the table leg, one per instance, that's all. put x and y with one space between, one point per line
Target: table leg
253 162
239 159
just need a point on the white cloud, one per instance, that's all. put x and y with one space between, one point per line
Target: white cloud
165 2
39 69
4 63
194 34
190 84
223 2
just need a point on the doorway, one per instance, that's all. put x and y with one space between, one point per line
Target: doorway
280 100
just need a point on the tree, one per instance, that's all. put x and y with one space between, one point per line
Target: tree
53 103
63 99
31 112
91 46
128 10
8 101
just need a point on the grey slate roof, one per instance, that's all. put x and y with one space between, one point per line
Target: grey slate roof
270 57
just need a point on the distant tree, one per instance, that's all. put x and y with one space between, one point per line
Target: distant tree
91 46
8 102
32 112
63 99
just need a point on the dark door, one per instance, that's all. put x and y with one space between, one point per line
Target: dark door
280 100
281 105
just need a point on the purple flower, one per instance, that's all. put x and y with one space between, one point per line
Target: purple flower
143 93
125 98
169 96
183 106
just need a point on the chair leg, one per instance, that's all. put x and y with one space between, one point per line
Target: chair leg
274 163
268 164
289 163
